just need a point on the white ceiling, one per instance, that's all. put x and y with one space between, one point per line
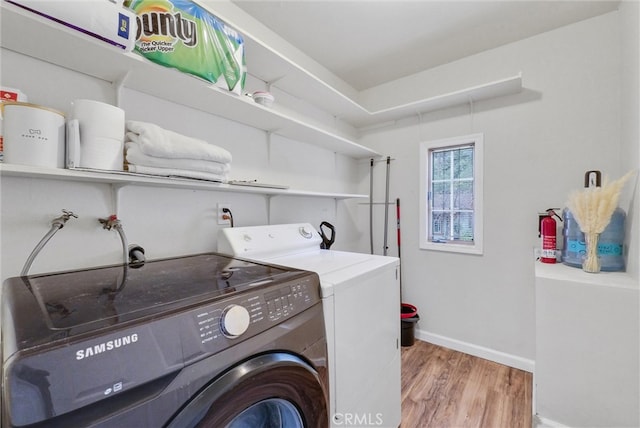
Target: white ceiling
370 42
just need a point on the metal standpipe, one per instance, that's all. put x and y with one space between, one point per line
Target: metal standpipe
371 206
386 208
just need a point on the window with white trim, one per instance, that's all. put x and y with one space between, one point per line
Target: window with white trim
451 194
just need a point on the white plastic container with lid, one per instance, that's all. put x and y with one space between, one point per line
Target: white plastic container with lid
33 135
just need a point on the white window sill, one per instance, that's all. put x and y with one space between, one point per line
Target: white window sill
451 248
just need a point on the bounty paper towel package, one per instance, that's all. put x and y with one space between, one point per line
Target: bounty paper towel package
185 36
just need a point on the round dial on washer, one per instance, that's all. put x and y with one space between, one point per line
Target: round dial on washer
305 233
234 320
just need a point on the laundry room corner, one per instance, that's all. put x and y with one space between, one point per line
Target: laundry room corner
486 302
305 214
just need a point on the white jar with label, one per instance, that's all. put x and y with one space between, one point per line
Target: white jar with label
33 135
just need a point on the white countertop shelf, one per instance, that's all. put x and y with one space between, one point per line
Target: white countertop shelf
31 35
124 178
561 272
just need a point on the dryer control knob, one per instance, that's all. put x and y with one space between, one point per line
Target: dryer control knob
234 321
305 233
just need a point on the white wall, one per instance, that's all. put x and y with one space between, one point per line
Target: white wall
571 117
538 144
166 222
630 124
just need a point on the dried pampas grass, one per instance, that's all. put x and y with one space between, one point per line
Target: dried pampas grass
592 207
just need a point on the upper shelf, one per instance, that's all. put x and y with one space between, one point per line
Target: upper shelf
46 40
277 62
40 38
123 178
296 80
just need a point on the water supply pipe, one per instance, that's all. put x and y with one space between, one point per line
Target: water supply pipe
112 222
56 224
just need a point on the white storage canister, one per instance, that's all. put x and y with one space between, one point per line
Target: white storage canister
610 243
33 135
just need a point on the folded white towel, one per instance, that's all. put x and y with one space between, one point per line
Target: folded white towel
159 142
173 172
134 155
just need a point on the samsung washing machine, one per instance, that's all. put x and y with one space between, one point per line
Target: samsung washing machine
195 341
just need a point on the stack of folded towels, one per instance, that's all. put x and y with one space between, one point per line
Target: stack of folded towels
150 149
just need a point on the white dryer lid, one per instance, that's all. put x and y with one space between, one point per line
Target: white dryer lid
323 262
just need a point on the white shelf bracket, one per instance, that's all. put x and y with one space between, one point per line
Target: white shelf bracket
115 196
269 134
420 135
272 82
118 85
471 112
268 199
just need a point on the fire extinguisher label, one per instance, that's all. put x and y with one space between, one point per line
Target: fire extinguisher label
548 246
548 254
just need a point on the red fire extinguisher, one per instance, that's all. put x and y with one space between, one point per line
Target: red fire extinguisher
547 229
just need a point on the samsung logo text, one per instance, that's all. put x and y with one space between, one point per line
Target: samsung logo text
103 347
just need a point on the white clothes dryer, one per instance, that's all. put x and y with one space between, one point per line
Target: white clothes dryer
361 304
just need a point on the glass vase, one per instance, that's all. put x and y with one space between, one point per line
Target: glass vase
591 262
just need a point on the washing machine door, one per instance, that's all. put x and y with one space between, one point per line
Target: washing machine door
268 391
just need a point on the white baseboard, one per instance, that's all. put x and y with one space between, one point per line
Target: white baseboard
540 422
477 351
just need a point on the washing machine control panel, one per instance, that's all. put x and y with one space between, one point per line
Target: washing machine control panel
285 301
222 324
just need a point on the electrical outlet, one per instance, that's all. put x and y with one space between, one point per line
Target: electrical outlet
221 215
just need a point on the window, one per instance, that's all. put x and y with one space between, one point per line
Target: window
451 194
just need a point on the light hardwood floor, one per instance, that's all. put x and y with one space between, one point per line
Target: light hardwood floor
446 388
